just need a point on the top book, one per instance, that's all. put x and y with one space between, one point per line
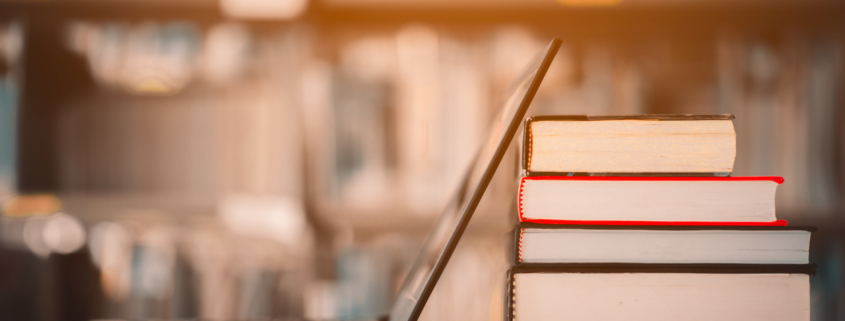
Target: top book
688 145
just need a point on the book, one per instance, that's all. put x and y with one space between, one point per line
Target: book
600 200
700 145
556 244
660 292
637 218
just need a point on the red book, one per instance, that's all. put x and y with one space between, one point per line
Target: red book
601 200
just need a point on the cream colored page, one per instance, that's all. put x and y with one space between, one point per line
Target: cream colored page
659 296
609 146
539 245
728 201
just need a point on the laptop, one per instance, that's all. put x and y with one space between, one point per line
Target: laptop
441 243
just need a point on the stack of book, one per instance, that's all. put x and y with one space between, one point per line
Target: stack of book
638 218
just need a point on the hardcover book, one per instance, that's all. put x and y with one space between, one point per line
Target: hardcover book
638 218
558 244
599 200
686 145
660 292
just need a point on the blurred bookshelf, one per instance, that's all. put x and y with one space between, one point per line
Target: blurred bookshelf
353 124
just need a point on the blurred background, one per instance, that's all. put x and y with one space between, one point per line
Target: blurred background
284 159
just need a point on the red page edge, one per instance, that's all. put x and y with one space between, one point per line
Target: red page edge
653 223
776 179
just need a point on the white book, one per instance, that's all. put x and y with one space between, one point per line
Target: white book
690 144
722 200
659 296
550 244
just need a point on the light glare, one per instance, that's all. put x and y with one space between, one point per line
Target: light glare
63 233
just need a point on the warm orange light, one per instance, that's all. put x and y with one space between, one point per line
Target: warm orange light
35 204
589 3
151 86
263 9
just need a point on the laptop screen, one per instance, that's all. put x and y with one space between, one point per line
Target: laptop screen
442 241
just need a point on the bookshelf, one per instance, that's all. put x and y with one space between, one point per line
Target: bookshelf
777 68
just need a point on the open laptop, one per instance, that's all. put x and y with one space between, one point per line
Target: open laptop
443 240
